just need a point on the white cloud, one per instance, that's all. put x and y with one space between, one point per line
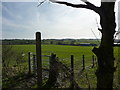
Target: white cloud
12 24
19 0
72 25
53 20
0 20
10 13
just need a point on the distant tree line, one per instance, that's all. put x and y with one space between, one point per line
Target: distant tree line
49 41
53 41
17 41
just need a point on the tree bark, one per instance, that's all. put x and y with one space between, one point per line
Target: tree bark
105 70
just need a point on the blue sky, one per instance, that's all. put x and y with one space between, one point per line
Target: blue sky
20 20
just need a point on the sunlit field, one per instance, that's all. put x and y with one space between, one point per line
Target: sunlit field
63 52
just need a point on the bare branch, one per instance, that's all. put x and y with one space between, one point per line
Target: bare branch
98 26
92 6
87 2
40 3
95 36
88 5
100 30
117 33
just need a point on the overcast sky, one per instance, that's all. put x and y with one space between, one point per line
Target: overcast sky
20 20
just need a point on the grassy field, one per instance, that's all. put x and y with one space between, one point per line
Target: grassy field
61 50
64 52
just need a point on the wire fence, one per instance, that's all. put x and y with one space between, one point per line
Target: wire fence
54 70
83 76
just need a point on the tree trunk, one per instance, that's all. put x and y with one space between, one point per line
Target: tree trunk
104 53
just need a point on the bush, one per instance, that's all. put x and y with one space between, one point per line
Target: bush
12 62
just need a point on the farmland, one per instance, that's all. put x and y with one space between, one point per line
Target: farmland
63 52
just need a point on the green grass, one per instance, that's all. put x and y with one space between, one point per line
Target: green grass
61 51
64 52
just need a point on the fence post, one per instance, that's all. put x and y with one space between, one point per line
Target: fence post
72 71
29 64
34 64
83 57
53 73
93 60
38 59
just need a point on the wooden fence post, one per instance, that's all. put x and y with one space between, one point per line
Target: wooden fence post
93 59
38 59
29 63
53 72
72 71
83 57
34 64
